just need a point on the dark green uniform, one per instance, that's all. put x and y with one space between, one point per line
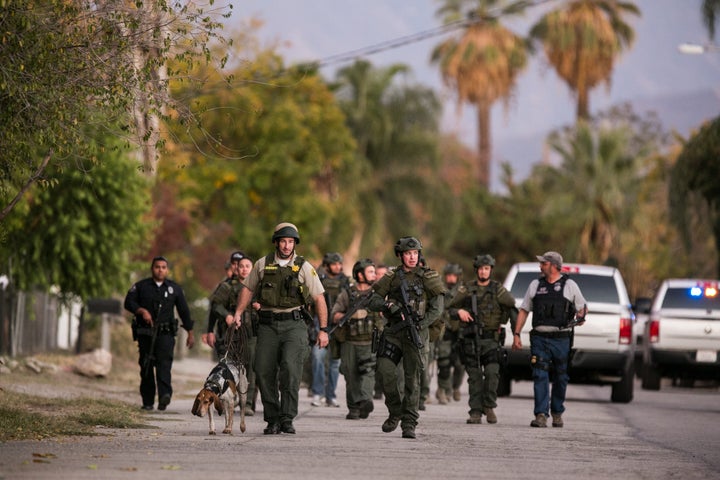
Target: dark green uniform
451 371
480 349
426 290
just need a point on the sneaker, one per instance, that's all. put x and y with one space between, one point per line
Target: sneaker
456 394
557 420
332 403
408 431
441 397
147 407
164 402
353 414
490 415
474 418
540 421
316 401
365 409
390 424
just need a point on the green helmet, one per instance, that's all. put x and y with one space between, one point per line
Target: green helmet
285 230
332 257
360 266
407 243
452 268
485 259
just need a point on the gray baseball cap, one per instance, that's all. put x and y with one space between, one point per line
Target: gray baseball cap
553 257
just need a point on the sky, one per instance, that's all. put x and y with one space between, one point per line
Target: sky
654 75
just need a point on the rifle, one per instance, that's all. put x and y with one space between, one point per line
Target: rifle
150 357
358 305
476 326
408 316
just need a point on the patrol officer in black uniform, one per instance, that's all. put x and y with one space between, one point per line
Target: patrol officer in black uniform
411 296
482 306
153 301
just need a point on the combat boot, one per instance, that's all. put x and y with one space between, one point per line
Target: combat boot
456 394
390 424
557 420
441 397
408 431
540 421
475 417
366 408
353 414
490 415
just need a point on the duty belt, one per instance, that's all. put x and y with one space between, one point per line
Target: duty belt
556 334
268 316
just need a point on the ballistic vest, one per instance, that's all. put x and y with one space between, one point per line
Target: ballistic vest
280 287
362 322
550 307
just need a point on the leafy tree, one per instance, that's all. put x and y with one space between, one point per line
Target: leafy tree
582 41
79 234
696 172
482 64
63 61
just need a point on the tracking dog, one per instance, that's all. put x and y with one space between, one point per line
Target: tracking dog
225 388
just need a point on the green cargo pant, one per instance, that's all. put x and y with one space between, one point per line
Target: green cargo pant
483 381
357 365
282 347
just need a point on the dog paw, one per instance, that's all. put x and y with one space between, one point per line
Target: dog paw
211 432
242 428
228 431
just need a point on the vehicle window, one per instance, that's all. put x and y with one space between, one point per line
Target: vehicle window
595 288
683 298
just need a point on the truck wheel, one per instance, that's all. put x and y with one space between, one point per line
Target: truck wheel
622 391
650 378
504 385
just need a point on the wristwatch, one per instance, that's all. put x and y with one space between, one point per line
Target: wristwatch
324 329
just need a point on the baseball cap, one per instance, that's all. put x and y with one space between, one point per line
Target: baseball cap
237 256
553 257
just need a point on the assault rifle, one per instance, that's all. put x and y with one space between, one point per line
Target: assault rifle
475 327
410 320
150 357
358 305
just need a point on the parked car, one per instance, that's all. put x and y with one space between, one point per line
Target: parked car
682 335
604 347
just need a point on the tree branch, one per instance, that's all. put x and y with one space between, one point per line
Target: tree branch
25 187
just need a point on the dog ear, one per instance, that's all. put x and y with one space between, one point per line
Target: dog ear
218 404
196 406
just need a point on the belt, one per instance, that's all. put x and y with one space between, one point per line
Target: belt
557 334
268 316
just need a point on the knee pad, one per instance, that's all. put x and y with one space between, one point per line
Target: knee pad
365 366
391 351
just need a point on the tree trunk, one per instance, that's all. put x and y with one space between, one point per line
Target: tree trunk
484 144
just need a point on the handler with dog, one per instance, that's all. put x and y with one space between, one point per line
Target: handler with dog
283 283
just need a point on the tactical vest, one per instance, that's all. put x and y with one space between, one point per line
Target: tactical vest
360 325
333 286
280 287
488 310
550 307
415 290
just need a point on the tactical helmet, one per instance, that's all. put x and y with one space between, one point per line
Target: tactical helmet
286 230
452 268
407 243
360 266
485 259
332 257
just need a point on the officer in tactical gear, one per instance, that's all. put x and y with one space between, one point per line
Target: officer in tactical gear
223 302
355 336
482 306
326 361
411 297
283 283
555 300
153 301
451 371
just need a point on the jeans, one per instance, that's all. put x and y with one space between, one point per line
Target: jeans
549 354
319 385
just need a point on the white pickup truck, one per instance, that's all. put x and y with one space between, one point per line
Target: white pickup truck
604 347
682 334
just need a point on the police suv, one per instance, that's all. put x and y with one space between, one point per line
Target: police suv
603 347
682 334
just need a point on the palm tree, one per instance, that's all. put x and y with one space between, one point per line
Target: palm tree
710 12
481 64
582 41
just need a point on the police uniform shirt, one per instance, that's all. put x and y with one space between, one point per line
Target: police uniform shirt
307 276
168 295
571 292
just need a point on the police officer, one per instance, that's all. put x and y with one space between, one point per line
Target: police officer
153 301
238 345
283 282
357 359
326 361
482 306
555 301
411 296
451 371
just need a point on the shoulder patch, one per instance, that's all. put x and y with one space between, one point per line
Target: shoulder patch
431 273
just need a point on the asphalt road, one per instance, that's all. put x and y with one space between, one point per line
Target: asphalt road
667 434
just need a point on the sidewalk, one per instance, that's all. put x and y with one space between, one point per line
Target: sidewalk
594 441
